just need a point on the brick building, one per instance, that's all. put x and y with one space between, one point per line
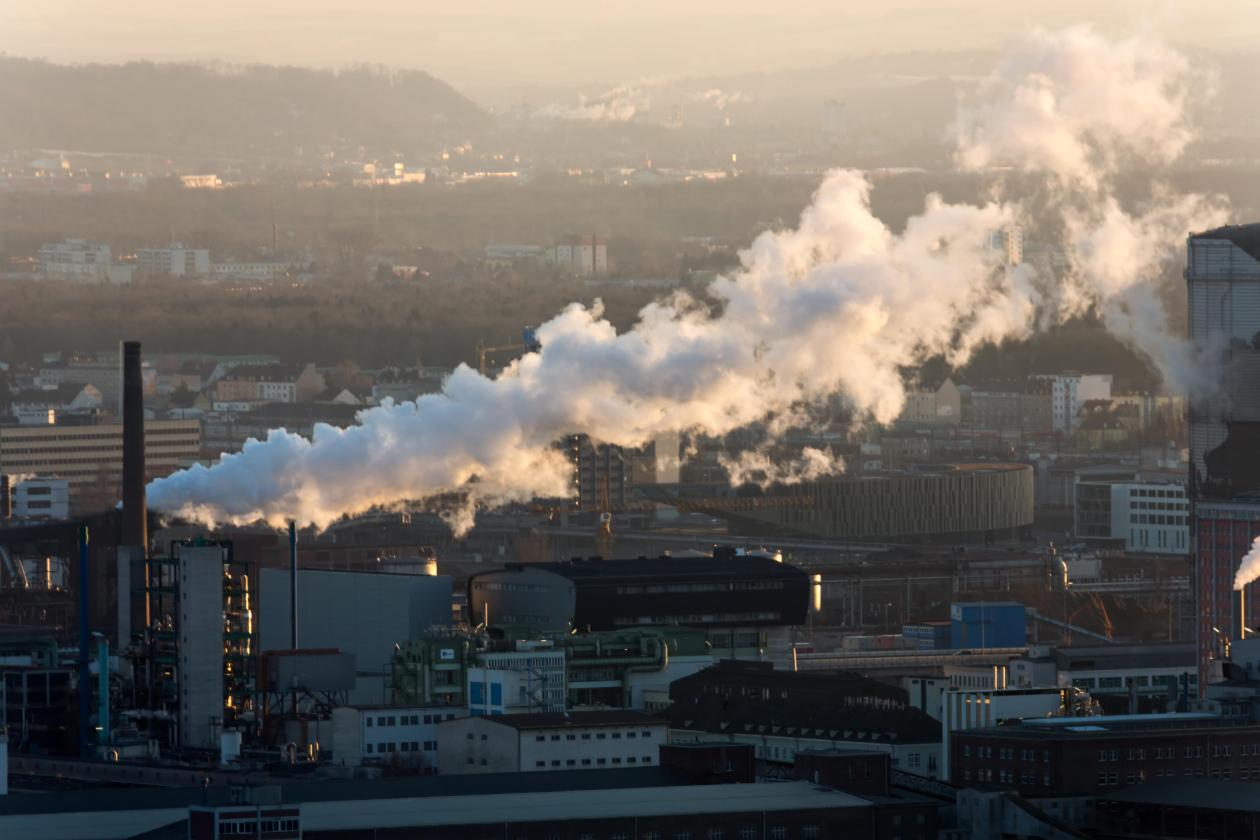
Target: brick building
1083 756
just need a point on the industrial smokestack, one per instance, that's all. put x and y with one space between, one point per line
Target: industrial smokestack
293 603
1239 630
135 527
6 498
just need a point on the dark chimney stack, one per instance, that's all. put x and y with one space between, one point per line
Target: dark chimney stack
1239 630
6 498
135 525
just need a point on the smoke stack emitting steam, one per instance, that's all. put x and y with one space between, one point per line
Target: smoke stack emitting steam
1249 568
839 305
135 526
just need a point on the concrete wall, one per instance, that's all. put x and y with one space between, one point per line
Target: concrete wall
477 745
363 613
200 630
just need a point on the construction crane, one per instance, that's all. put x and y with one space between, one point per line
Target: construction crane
528 343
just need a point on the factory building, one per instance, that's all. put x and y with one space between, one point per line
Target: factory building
985 501
37 498
1064 756
547 742
1223 284
783 713
528 679
365 614
640 802
174 260
735 596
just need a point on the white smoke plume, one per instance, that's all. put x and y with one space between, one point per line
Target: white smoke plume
1249 568
1076 108
758 466
840 304
721 99
618 104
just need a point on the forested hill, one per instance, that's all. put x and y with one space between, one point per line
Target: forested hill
224 110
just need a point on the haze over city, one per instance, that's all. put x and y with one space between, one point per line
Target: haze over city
629 421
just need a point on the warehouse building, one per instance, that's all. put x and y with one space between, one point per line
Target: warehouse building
727 592
644 803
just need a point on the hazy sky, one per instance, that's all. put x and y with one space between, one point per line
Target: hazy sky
477 43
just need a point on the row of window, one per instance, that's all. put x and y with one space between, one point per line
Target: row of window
402 746
586 736
586 762
722 586
406 720
250 828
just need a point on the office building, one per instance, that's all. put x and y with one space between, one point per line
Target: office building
601 474
966 709
546 742
89 457
174 260
1144 516
76 259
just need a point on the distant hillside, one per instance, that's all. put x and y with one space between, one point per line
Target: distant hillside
224 110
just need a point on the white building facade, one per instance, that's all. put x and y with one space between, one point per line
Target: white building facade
174 260
393 735
604 740
42 498
1069 391
518 682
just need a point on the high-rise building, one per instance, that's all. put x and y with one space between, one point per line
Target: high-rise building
1070 391
1223 283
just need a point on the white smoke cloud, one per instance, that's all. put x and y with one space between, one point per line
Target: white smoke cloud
839 304
757 466
1249 568
618 104
720 99
1073 104
1075 108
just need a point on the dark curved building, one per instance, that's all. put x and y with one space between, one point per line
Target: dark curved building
954 502
725 590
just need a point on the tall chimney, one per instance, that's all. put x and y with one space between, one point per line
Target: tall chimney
135 526
1239 630
6 498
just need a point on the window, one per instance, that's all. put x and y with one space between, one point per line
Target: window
715 834
380 748
630 735
555 737
570 737
540 738
369 722
586 736
404 747
616 760
555 762
600 736
647 759
682 835
748 834
540 764
809 831
585 762
572 762
631 760
779 832
601 761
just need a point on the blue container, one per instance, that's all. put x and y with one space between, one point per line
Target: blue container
991 624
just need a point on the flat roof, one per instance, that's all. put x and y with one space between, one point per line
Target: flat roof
674 801
1196 794
340 791
559 720
662 568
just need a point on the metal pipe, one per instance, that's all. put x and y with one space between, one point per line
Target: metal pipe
102 683
85 650
293 602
